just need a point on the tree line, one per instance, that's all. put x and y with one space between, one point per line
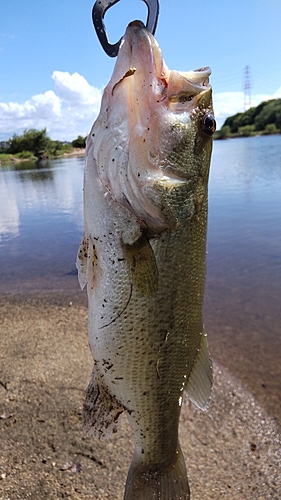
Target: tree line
262 119
37 143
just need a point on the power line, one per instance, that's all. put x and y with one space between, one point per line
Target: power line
247 88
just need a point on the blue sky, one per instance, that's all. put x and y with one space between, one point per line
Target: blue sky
53 70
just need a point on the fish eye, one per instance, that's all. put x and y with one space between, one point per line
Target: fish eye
208 124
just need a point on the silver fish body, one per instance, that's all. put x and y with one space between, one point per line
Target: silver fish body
143 258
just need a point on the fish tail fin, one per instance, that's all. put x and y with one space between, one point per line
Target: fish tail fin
165 482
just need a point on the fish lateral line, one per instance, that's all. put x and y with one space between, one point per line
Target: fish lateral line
167 333
157 369
121 312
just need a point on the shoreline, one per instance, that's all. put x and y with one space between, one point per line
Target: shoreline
240 136
232 450
76 153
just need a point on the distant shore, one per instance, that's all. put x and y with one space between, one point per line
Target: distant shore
6 158
77 152
221 136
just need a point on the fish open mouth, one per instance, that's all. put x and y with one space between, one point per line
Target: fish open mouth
140 58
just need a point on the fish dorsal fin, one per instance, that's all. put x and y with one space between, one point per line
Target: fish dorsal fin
200 381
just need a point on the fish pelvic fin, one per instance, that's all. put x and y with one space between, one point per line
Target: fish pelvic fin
200 381
100 410
166 481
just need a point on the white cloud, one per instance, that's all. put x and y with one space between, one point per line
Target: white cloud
75 89
39 106
66 112
229 103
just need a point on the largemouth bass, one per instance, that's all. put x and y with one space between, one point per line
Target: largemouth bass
143 258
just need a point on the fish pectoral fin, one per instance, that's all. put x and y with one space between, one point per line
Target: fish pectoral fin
81 261
142 265
86 262
200 381
101 410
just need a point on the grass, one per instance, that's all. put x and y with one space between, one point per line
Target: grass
5 158
25 155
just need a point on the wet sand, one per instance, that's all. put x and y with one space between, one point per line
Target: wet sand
232 451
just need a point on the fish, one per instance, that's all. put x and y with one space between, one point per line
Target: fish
143 259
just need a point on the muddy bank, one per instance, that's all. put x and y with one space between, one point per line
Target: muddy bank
232 451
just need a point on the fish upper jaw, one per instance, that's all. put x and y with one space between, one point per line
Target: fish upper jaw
140 52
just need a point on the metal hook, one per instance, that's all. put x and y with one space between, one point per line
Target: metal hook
98 13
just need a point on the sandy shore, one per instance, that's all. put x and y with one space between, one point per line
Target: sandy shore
77 152
232 451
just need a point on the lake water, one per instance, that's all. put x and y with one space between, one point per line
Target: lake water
41 224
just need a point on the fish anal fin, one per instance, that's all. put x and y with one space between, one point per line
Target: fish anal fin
142 265
200 381
100 410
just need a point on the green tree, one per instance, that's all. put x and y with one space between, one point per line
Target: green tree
32 140
246 131
270 129
80 142
233 122
271 113
266 113
223 133
55 147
